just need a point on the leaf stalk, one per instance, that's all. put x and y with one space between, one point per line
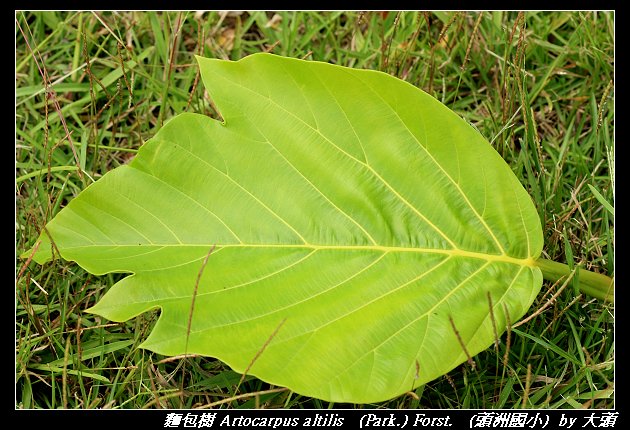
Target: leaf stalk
594 284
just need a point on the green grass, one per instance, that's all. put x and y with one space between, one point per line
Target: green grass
538 86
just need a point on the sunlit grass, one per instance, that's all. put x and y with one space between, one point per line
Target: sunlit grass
91 88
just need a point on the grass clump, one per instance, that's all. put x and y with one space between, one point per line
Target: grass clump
92 87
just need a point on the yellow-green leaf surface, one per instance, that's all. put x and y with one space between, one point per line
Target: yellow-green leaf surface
358 227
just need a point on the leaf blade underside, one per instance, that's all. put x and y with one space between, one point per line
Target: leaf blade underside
346 203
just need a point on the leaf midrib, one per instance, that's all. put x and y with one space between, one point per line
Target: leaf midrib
502 258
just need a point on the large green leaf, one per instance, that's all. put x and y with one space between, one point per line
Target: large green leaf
360 228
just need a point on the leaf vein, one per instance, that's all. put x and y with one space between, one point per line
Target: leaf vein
122 221
311 297
426 314
346 118
317 189
380 178
194 201
448 176
246 191
153 215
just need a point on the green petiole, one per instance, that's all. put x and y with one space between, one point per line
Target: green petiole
594 284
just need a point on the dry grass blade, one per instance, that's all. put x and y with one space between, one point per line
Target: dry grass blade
109 29
508 340
549 302
190 315
528 384
470 42
28 260
200 31
194 296
243 396
536 82
471 362
260 351
52 94
494 322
